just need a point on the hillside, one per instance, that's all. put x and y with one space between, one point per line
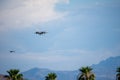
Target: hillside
39 74
105 70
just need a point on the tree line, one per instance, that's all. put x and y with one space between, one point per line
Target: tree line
85 74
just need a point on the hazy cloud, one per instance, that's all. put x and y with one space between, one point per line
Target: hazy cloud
28 12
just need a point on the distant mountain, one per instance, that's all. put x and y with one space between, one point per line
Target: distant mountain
36 74
3 77
39 74
105 70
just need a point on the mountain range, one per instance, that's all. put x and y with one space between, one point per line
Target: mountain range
105 70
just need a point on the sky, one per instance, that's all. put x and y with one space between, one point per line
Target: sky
79 33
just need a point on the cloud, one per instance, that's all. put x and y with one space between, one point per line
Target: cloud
28 12
65 1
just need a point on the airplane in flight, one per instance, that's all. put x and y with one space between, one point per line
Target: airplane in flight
40 33
12 51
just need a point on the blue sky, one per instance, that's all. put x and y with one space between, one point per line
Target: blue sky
79 33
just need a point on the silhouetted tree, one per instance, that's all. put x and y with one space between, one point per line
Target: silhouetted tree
51 76
14 74
118 73
86 74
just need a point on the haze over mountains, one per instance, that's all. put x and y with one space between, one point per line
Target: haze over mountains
105 70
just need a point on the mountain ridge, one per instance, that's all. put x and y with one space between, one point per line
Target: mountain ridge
105 70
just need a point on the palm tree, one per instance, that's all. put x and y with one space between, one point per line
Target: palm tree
51 76
118 73
86 74
14 74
